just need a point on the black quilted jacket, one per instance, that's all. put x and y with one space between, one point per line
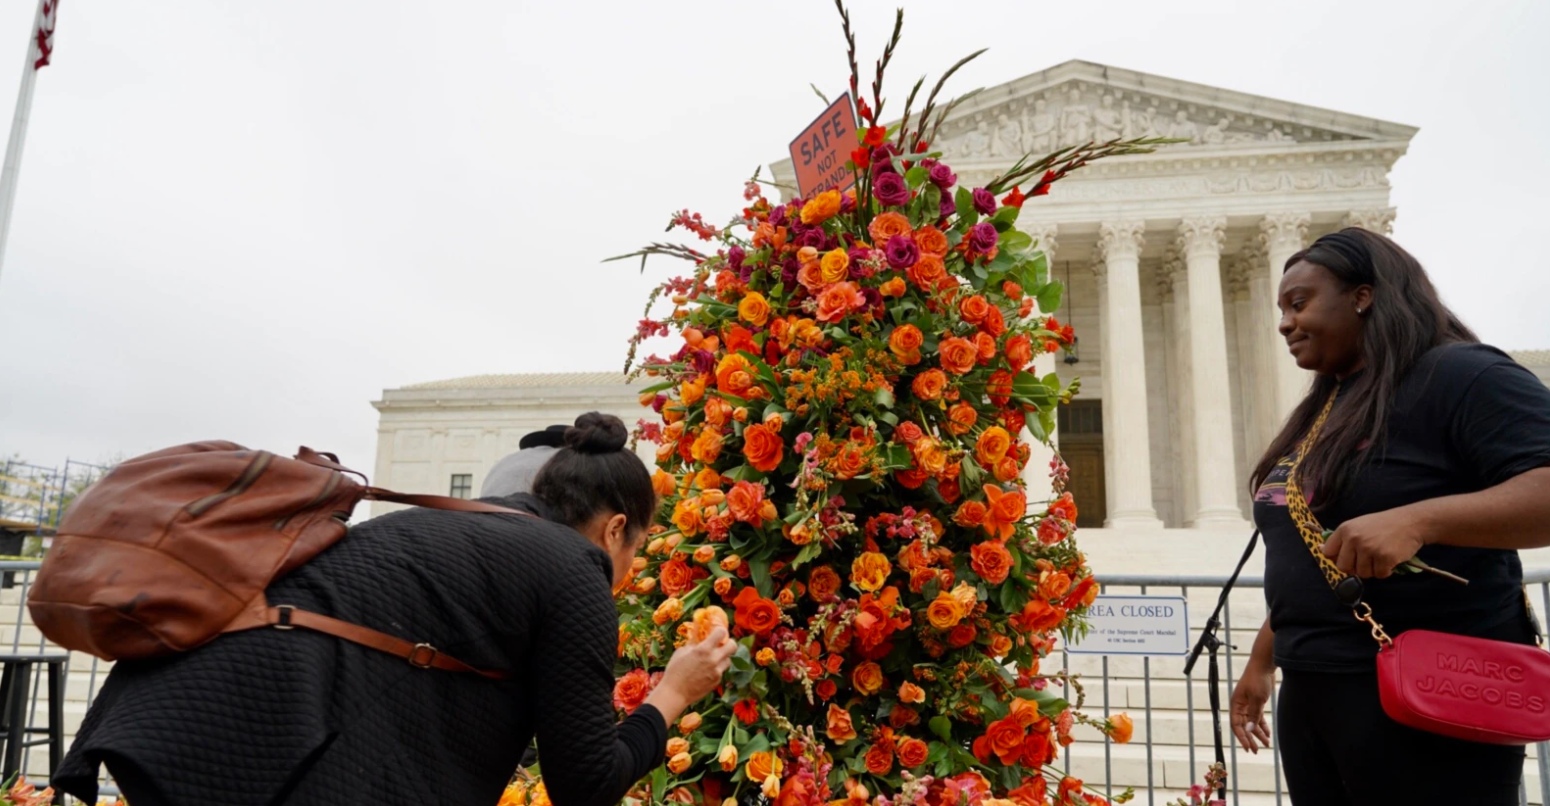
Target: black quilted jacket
268 717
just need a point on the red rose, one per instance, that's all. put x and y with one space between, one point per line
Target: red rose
755 614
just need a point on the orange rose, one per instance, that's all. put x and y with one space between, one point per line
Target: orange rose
1008 469
707 479
879 759
911 693
1000 645
706 619
929 385
754 309
755 613
888 225
944 612
912 753
823 583
730 366
894 287
717 411
958 355
686 516
1123 728
723 586
631 690
835 266
838 300
663 483
961 418
670 610
931 241
1004 511
995 323
1064 508
1019 352
765 656
973 308
823 207
986 346
870 571
840 728
746 502
928 273
676 577
762 765
707 447
904 342
1005 738
930 456
763 447
851 462
992 446
970 513
1054 585
991 561
867 678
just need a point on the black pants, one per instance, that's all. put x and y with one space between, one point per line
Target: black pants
1338 748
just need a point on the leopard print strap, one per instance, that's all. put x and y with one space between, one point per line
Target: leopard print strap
1308 526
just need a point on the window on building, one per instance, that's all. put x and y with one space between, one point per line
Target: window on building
462 485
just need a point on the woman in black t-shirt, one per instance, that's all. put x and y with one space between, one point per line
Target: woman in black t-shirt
1437 447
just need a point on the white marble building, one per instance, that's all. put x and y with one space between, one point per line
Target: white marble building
1171 262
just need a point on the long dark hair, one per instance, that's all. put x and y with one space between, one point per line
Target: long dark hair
594 474
1406 319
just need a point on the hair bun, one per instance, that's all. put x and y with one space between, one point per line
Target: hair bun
595 432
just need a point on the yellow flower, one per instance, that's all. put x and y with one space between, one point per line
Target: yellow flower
835 266
754 309
728 758
945 611
870 571
823 207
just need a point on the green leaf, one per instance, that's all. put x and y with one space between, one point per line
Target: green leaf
942 727
1005 218
1049 297
1027 386
884 398
807 553
1012 599
889 418
964 200
1014 241
760 570
933 198
743 472
937 754
915 177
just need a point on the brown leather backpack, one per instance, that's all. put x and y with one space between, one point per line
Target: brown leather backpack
174 548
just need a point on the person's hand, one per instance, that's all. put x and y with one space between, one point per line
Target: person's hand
1372 545
1247 711
694 671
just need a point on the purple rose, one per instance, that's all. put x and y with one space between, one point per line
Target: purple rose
902 251
947 207
984 201
942 176
858 254
891 190
982 236
778 216
881 158
788 272
703 361
874 298
735 257
812 237
847 202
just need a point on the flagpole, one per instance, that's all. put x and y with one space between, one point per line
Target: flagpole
13 149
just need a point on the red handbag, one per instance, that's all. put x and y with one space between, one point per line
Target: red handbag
1496 692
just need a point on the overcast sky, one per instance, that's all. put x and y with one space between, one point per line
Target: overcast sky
243 220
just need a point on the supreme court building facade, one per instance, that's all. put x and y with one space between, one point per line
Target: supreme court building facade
1171 263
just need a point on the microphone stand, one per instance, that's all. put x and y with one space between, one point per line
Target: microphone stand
1211 644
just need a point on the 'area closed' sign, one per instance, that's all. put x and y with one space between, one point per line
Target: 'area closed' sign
820 152
1136 625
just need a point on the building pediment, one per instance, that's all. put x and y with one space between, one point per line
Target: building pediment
1079 102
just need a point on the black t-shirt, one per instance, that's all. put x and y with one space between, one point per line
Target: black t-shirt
1466 418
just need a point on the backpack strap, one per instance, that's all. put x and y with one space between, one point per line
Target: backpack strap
440 502
420 656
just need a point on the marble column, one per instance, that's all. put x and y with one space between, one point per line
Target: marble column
1282 235
1377 219
1173 281
1126 445
1036 472
1248 382
1200 241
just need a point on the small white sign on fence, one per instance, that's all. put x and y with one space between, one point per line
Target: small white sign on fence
1136 625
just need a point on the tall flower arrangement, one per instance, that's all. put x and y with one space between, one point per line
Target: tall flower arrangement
841 472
